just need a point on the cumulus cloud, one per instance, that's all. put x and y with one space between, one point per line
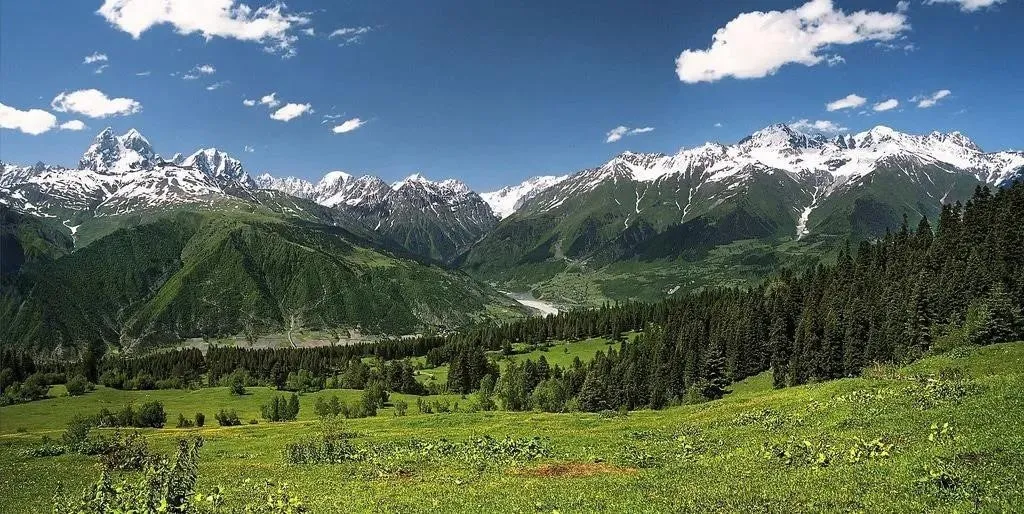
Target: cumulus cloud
291 111
619 132
903 6
886 105
818 126
198 70
270 100
835 60
248 149
348 126
72 125
94 104
94 58
847 102
926 101
248 102
757 44
32 121
967 5
273 25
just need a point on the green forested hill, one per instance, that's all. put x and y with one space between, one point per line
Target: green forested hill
192 274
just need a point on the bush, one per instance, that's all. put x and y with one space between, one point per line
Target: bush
125 452
78 386
184 422
200 419
401 406
228 418
151 415
77 431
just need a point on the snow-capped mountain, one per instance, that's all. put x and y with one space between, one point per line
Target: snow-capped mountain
824 165
110 154
777 184
121 175
217 164
439 219
508 199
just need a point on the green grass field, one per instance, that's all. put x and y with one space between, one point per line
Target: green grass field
862 444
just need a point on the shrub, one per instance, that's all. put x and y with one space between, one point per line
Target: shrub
228 418
77 386
200 419
125 452
77 431
151 414
184 422
401 406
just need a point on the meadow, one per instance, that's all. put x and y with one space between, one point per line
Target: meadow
941 435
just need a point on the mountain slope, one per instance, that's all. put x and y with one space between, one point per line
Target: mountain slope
439 220
212 274
644 222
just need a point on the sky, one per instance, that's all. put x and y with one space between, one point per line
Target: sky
489 92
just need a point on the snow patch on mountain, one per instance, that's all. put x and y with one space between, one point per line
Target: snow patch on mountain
507 200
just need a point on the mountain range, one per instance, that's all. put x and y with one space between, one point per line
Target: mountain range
640 225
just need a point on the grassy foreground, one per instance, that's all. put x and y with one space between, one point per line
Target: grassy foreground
875 444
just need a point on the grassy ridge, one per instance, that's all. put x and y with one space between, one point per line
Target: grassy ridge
719 456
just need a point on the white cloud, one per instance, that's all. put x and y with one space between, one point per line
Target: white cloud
72 125
270 100
291 111
309 31
101 68
95 104
903 6
818 126
835 60
32 121
350 31
886 105
967 5
217 85
757 44
197 70
143 74
248 102
926 101
718 125
348 126
248 149
848 102
272 25
95 57
617 133
329 118
350 35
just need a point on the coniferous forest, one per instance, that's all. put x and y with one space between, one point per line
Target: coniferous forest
957 282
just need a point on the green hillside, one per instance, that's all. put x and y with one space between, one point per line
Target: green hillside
940 435
216 273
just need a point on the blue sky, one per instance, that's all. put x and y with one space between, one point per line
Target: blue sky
492 93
